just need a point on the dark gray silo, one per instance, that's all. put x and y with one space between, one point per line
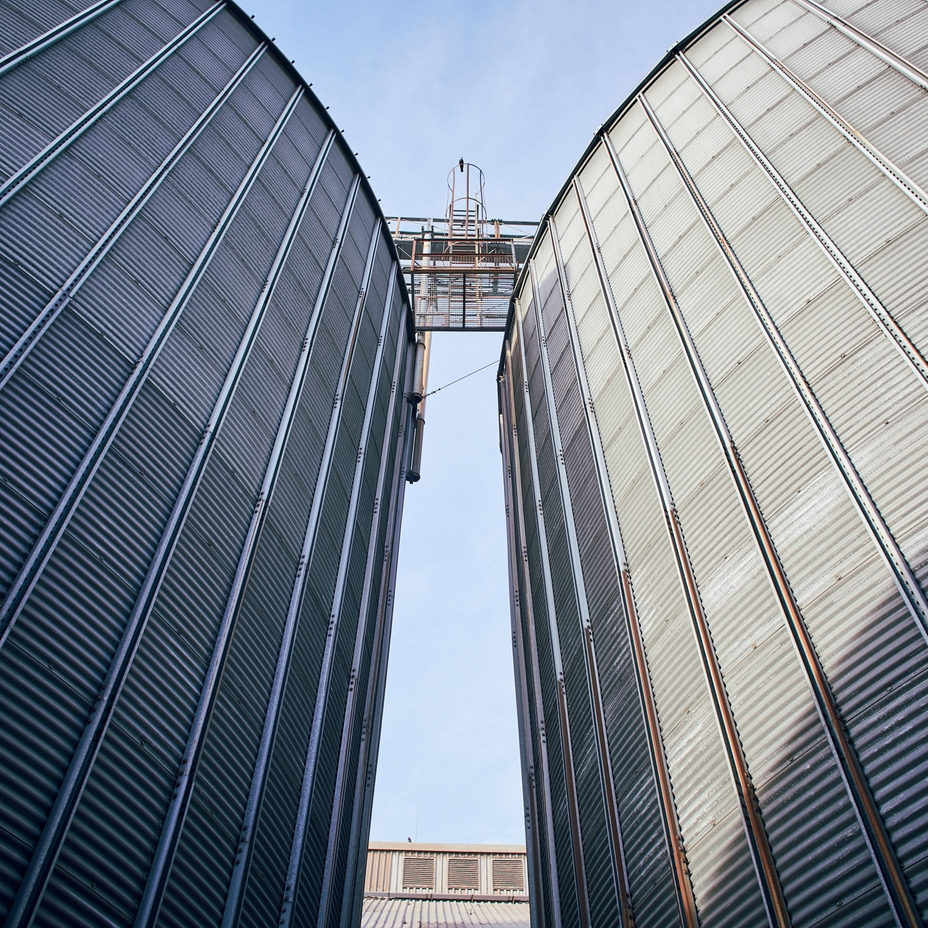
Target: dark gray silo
203 353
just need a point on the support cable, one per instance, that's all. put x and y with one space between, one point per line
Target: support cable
493 363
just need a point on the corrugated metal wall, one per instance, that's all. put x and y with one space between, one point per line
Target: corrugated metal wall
203 357
480 871
714 423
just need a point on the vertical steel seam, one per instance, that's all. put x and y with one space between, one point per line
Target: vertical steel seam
175 817
48 38
223 403
686 903
72 788
687 582
243 855
242 864
754 825
57 523
355 713
353 891
348 723
532 644
523 704
373 705
890 549
874 306
13 184
888 867
338 596
573 807
905 68
681 866
37 328
281 677
583 612
523 708
905 183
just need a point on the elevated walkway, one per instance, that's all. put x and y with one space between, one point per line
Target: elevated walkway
461 269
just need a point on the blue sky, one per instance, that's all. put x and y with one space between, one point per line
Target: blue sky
517 87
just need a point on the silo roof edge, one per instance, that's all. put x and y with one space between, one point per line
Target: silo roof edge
617 114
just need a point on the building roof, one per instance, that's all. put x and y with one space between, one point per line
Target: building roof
434 913
447 848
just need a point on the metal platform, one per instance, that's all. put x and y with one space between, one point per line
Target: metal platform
461 269
462 283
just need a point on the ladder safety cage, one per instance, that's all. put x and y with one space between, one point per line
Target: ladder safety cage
461 270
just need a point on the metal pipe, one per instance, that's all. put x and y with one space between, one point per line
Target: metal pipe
420 370
420 389
414 471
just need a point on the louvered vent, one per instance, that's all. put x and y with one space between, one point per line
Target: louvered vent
418 871
463 873
507 874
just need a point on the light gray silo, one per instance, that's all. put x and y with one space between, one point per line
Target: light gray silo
203 357
714 399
